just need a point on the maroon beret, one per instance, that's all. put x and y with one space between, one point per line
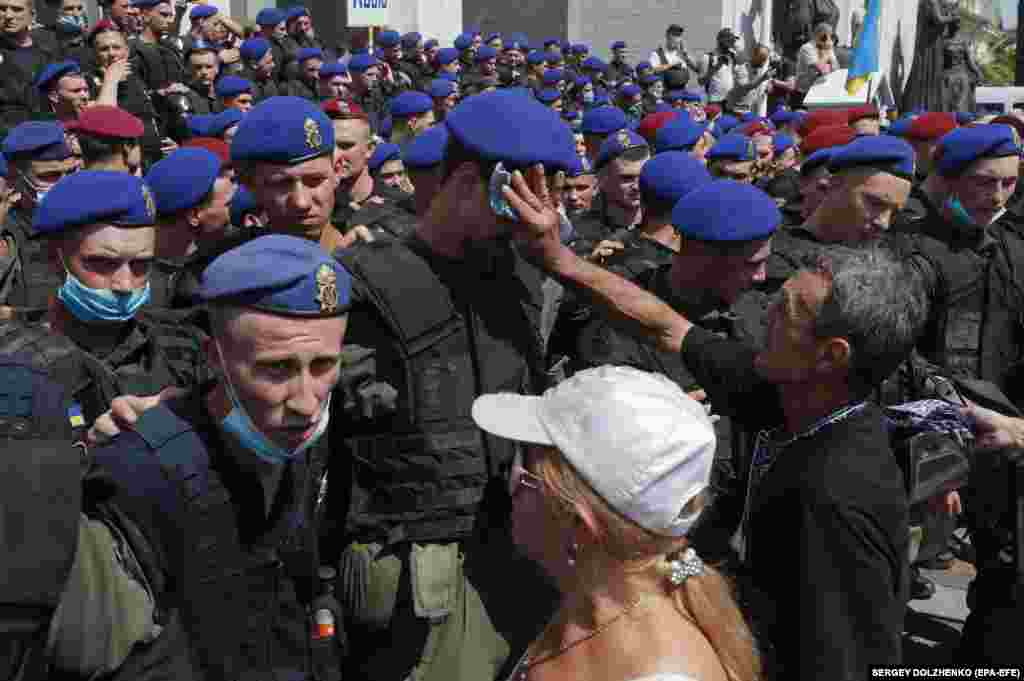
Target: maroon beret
343 110
101 26
110 121
712 110
823 117
826 136
651 123
755 128
860 112
931 126
214 145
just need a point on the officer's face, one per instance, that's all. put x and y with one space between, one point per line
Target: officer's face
860 205
110 47
986 186
393 54
124 15
367 80
868 126
71 96
72 8
620 183
242 102
109 257
420 123
793 353
203 67
301 26
265 66
214 216
813 188
213 29
578 193
765 149
740 171
489 67
393 174
334 87
282 369
40 176
353 147
279 31
160 18
787 159
514 57
298 199
728 273
311 69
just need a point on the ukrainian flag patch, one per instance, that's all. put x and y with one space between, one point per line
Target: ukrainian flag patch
75 415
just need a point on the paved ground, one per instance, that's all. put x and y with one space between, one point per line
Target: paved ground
933 626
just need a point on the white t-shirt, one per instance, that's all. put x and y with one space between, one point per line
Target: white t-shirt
672 57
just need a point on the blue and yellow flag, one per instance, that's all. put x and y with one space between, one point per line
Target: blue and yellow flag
865 53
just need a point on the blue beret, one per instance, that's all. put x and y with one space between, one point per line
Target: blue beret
410 103
183 179
430 44
733 148
536 57
37 140
783 116
644 65
549 95
200 46
445 56
672 175
427 149
199 125
286 130
270 16
331 69
361 62
379 53
965 117
388 39
220 122
463 41
387 124
619 45
411 39
492 36
580 48
486 52
583 81
202 11
54 72
254 49
232 86
554 76
515 44
662 107
242 203
309 53
553 41
514 129
820 158
601 99
595 64
615 145
279 274
900 127
603 120
382 154
448 76
146 4
679 134
689 96
651 79
725 210
674 95
553 58
295 12
3 166
566 47
963 146
891 154
723 124
630 90
581 166
440 88
92 196
781 142
747 117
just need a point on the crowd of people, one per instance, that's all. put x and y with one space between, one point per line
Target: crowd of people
492 361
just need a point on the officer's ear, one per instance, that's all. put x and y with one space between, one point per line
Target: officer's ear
193 219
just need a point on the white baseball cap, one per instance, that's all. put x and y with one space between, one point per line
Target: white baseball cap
635 437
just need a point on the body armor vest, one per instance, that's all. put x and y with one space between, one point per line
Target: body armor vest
31 280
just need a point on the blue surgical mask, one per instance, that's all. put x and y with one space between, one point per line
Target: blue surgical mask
588 96
100 304
238 424
961 218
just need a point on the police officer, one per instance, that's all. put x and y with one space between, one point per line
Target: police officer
579 190
817 149
414 63
203 67
733 157
110 139
418 469
244 477
271 25
24 53
366 88
390 44
445 94
618 68
306 82
412 113
334 81
38 158
160 65
869 182
63 90
99 234
423 160
235 92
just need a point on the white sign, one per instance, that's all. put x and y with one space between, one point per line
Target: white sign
830 92
366 13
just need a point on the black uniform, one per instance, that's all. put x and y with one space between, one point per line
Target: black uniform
792 250
262 89
203 103
619 71
419 73
300 87
18 70
27 279
388 214
417 468
133 96
593 227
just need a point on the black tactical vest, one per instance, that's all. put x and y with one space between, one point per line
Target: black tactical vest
31 280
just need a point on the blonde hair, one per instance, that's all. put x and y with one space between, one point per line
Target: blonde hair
707 600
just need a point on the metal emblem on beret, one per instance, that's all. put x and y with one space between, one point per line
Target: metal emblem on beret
751 149
147 196
623 139
313 138
326 288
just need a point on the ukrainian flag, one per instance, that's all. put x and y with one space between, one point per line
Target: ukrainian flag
865 52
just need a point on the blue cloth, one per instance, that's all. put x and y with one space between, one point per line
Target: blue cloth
782 117
430 44
382 154
199 125
410 103
279 274
679 134
899 127
427 149
486 52
146 4
254 49
387 124
331 69
202 11
536 57
580 48
36 140
512 128
440 88
671 175
619 45
733 148
295 12
581 166
269 16
307 53
582 81
864 60
388 39
723 124
725 210
448 76
554 76
220 122
232 86
517 44
286 130
603 120
411 40
965 117
463 41
54 72
595 64
961 147
650 79
891 154
781 142
445 56
929 416
644 65
361 62
242 203
674 96
554 59
616 144
3 166
183 179
549 95
820 158
94 196
662 107
631 90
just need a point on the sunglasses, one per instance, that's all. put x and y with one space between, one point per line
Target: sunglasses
518 476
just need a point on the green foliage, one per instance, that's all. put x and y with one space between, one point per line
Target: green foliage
1000 71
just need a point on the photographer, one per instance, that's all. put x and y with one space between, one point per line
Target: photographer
753 80
673 53
717 69
816 59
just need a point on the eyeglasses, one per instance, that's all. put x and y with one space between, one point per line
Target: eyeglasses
518 476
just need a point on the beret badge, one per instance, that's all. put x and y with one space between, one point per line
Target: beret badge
314 140
147 196
623 139
326 289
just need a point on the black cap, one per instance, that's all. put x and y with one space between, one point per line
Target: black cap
675 29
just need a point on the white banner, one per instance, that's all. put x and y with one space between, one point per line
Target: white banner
364 13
